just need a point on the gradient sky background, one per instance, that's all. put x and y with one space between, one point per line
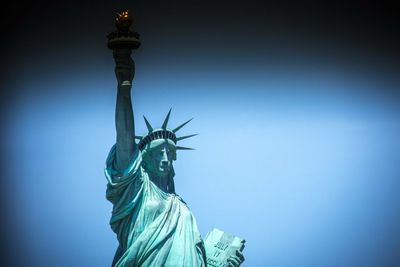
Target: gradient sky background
296 104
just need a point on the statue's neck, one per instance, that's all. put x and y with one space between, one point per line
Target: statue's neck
161 182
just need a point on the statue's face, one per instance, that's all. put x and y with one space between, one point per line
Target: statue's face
160 156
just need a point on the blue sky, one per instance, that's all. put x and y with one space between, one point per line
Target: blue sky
300 160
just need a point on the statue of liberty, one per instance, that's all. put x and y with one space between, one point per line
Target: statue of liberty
153 225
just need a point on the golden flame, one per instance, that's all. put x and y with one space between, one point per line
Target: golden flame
123 16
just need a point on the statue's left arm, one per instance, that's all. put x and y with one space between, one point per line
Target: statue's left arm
235 260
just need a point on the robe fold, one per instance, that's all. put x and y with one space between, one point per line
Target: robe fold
154 228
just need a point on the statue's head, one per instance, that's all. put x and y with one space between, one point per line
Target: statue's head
159 148
158 156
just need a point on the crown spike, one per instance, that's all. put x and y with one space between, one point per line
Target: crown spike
183 148
149 127
180 126
184 137
164 125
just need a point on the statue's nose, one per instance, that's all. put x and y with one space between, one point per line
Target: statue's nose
164 159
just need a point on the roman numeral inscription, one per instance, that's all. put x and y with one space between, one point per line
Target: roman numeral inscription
220 246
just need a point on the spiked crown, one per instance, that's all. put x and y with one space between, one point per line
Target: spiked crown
163 133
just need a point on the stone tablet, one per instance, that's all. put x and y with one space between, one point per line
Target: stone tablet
220 246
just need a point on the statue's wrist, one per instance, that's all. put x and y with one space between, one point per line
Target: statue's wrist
126 84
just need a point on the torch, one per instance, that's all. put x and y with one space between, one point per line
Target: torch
122 42
123 37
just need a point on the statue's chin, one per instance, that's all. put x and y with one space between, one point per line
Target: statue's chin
163 172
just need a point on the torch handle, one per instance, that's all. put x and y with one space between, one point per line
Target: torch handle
124 66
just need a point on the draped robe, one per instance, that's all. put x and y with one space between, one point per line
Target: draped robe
154 228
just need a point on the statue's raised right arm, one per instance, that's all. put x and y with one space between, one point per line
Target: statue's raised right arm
124 121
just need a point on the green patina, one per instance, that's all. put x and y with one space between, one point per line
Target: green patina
154 226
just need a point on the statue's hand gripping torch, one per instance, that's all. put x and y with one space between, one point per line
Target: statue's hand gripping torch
122 42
